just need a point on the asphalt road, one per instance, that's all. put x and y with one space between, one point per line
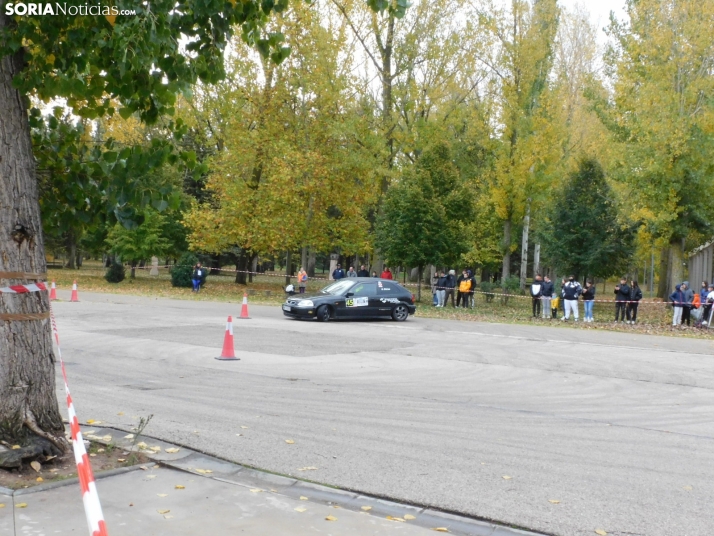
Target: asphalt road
618 428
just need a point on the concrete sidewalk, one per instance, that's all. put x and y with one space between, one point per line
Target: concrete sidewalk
189 493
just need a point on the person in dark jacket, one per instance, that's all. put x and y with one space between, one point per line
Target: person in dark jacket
362 272
472 291
198 276
571 291
547 295
589 299
537 295
677 299
704 292
622 296
461 294
449 284
338 273
687 306
634 302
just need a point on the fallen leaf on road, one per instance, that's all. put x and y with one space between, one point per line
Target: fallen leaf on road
172 450
121 459
506 477
92 421
300 509
39 479
331 518
2 505
688 488
304 498
162 494
150 476
441 529
203 471
273 490
130 436
256 490
120 413
244 427
554 501
155 449
107 438
179 486
92 454
290 441
307 469
162 512
144 468
335 506
395 519
409 517
16 447
366 508
36 466
601 532
21 505
168 517
142 445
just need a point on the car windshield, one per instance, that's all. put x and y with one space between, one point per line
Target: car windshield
338 287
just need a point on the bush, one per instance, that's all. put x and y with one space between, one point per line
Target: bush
182 272
512 285
115 273
487 288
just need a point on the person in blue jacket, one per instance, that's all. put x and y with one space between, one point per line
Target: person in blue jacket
677 299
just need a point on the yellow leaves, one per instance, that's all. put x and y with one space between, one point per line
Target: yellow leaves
203 471
601 532
441 529
111 19
2 505
290 441
409 517
390 518
179 486
303 498
39 479
36 466
307 468
172 450
92 421
506 477
163 512
256 490
366 508
330 518
553 501
162 495
300 509
688 488
21 505
121 460
16 447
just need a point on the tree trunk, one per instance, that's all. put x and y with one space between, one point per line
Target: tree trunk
506 271
311 261
133 270
676 264
71 245
524 246
28 402
421 269
241 268
303 257
253 266
288 267
663 290
536 260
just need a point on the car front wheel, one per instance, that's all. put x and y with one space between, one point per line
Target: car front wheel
323 313
400 313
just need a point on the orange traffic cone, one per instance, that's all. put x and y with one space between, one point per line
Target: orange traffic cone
228 353
244 308
74 297
53 292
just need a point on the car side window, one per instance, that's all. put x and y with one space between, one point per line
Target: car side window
364 289
388 289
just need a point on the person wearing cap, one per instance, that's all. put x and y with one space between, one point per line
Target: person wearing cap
449 284
338 273
687 306
571 292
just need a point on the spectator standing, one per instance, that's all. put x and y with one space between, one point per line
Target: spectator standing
622 296
450 283
472 301
537 295
362 272
704 293
351 272
339 273
374 274
464 283
589 299
441 284
634 302
387 273
687 305
571 292
302 280
677 299
708 303
197 277
547 293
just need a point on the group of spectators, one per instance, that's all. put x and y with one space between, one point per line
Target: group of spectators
447 285
687 304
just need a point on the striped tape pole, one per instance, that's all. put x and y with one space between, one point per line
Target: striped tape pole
90 497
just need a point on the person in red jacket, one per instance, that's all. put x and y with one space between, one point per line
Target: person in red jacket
386 274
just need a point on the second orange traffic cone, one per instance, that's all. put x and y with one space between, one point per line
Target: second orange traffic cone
53 292
74 297
228 353
244 308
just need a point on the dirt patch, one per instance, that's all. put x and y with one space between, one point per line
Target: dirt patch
102 458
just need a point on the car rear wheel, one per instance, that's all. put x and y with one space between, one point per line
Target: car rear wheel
400 313
323 313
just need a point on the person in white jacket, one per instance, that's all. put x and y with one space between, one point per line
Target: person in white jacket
571 292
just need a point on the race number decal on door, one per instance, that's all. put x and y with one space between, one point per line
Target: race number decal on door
358 302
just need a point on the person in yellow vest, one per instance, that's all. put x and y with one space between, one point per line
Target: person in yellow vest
464 290
302 280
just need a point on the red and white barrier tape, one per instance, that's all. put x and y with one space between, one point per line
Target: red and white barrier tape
90 497
23 289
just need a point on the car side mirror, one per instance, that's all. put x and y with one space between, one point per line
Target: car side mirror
349 294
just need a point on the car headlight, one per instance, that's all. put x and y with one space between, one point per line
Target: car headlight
306 303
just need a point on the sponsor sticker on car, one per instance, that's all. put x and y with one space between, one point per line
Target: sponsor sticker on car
358 302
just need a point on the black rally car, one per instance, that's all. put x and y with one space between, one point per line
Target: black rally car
354 297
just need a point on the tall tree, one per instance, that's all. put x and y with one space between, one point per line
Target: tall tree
583 234
661 117
140 61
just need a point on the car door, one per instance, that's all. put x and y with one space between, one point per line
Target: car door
385 298
357 302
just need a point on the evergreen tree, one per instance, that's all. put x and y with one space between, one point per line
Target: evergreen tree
582 234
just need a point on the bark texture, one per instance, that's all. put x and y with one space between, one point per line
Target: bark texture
28 403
